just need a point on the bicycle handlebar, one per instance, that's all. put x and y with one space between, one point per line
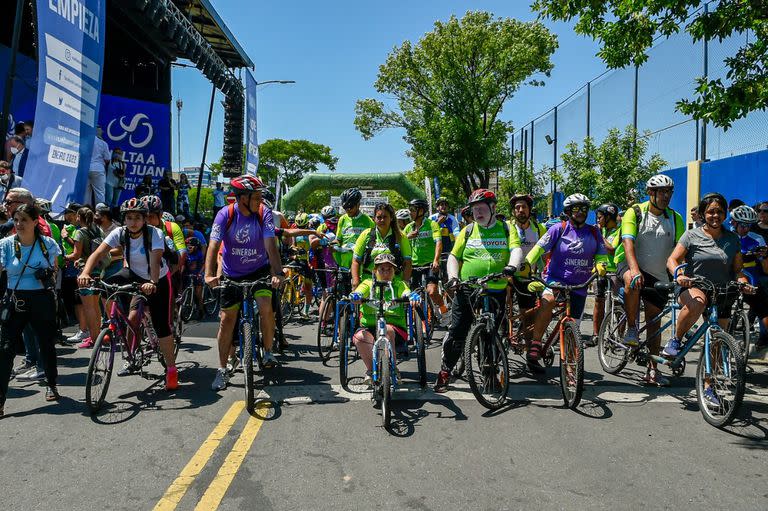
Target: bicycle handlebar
565 287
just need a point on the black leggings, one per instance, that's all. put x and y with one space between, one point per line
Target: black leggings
38 310
461 321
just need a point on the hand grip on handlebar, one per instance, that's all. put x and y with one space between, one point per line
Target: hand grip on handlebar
536 287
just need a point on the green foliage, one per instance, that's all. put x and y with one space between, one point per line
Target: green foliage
205 207
627 28
316 201
292 159
450 88
615 171
520 178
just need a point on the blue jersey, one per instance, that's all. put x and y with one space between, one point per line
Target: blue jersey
752 267
449 229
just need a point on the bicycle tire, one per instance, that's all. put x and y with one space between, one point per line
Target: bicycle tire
421 350
286 306
487 362
429 322
739 329
607 343
385 373
343 338
210 300
96 400
325 328
247 362
571 356
187 305
729 350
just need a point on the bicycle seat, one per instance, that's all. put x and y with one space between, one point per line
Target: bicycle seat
664 287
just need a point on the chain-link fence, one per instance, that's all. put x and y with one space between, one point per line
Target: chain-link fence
645 98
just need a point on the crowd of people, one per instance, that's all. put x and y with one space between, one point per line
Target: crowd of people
49 266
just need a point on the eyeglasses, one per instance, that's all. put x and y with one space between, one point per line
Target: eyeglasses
6 202
580 209
762 210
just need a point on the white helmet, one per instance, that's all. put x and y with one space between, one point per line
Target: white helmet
403 214
660 181
330 236
576 198
328 212
744 215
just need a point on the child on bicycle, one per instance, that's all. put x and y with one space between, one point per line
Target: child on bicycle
143 247
193 269
384 271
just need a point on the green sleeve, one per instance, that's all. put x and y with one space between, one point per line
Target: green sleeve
514 237
405 246
361 244
679 226
534 255
629 224
178 238
339 228
460 243
435 231
364 288
404 289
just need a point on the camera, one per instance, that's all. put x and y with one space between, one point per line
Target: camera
45 276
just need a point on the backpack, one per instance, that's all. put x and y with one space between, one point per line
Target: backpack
171 255
639 217
231 215
595 234
471 227
394 248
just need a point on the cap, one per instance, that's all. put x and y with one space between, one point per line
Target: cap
385 258
72 207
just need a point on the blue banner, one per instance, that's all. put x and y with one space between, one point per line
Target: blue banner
70 68
251 135
24 88
142 129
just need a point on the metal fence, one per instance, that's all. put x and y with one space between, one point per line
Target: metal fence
645 98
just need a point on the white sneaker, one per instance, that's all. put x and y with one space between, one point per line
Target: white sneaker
79 336
269 360
31 375
221 380
445 320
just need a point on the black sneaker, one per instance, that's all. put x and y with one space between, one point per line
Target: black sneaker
591 342
535 366
52 394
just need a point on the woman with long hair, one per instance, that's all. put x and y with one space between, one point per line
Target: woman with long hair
384 238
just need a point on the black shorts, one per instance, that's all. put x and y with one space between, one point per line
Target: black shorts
525 299
302 268
649 293
232 296
426 274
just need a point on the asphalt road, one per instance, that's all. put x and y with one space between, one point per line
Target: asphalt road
315 446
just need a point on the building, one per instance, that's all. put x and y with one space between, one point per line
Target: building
192 174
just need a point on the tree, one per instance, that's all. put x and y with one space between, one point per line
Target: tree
615 171
450 89
627 30
521 178
292 159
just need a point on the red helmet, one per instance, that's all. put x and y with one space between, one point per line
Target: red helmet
482 195
152 203
246 184
133 205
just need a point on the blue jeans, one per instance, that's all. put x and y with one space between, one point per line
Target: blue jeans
32 349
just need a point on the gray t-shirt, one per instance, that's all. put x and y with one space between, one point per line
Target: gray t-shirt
654 243
712 259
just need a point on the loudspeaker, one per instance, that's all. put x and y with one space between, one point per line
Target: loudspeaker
234 123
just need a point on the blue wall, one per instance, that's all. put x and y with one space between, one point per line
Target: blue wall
680 177
742 177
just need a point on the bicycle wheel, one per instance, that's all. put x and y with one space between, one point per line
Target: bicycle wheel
187 305
246 332
421 350
343 340
429 322
486 366
210 300
100 370
611 354
286 297
325 328
571 366
384 369
739 328
725 380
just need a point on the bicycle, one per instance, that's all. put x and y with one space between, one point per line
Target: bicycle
722 368
138 346
520 324
326 340
427 307
571 347
187 302
485 356
249 335
740 326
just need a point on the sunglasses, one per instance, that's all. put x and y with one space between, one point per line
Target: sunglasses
580 209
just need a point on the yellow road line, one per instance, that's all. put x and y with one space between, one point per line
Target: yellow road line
218 487
179 487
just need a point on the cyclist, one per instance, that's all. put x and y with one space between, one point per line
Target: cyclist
528 232
482 247
649 232
385 271
607 219
244 230
142 247
754 252
449 230
426 247
351 224
573 246
301 253
713 252
193 270
403 218
176 256
466 216
386 237
330 219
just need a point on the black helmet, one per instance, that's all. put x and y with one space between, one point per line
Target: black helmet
521 196
267 195
441 199
609 210
419 203
350 198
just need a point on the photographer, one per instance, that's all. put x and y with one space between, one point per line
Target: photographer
29 259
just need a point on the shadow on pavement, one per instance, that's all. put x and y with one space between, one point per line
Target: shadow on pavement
405 417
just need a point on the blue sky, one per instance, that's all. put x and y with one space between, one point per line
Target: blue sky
333 50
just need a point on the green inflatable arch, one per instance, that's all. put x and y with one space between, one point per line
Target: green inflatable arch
337 183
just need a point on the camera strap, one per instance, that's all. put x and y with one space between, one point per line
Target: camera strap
17 247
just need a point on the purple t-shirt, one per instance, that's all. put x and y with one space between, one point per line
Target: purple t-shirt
573 258
243 250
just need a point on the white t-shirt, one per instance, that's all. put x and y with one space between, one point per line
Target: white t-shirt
99 155
138 256
654 243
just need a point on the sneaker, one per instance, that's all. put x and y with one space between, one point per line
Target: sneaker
269 360
79 336
221 380
128 369
443 378
710 398
87 343
233 364
31 375
52 394
368 379
171 378
632 336
672 348
22 368
654 377
591 342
